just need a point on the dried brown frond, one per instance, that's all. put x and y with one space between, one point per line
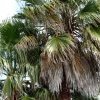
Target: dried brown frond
25 49
80 71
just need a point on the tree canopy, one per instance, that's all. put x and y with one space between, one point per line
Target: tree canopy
52 42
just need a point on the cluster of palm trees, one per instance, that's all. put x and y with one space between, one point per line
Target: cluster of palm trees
50 48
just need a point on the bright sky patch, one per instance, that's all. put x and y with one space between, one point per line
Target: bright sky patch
7 9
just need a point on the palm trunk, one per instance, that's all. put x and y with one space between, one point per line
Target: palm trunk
65 92
15 95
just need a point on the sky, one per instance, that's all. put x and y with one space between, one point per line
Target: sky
8 8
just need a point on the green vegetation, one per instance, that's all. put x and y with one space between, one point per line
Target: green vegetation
50 48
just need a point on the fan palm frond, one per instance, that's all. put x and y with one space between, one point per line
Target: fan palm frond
26 43
10 32
90 11
94 30
94 37
28 50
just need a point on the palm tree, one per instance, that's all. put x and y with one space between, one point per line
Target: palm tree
65 47
70 56
10 34
15 68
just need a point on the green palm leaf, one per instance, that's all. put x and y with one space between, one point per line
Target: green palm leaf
27 98
7 89
10 32
56 43
94 30
90 11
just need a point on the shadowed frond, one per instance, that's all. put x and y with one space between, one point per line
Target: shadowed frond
26 43
94 30
93 36
28 50
10 33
